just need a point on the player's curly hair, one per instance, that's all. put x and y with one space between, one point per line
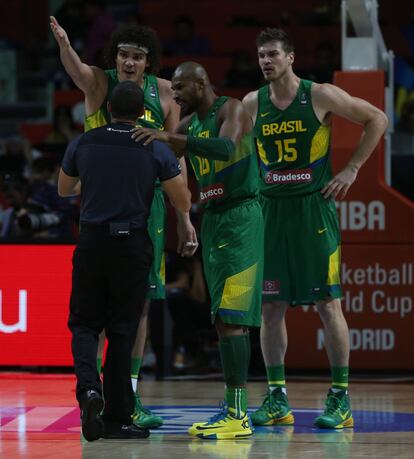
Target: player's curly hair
141 35
280 35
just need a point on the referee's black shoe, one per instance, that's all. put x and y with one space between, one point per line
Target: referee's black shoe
117 431
91 407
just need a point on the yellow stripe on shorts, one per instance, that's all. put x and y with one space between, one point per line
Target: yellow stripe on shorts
239 290
334 266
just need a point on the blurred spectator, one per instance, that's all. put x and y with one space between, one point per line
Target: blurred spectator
64 127
406 123
13 190
100 26
29 203
185 41
244 72
52 215
34 207
324 64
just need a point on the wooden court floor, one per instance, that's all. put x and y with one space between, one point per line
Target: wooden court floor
39 419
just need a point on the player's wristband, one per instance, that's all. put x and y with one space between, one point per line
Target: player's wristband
220 148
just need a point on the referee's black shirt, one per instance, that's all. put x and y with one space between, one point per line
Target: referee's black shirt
117 174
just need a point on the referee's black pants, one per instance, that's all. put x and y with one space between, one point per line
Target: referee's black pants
109 283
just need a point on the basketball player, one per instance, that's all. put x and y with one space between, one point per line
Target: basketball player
292 123
217 136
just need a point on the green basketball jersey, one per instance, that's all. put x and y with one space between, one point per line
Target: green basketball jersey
293 145
153 116
223 182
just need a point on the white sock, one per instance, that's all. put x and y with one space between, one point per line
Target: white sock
272 388
336 390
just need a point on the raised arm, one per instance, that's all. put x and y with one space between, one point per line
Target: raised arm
91 80
329 99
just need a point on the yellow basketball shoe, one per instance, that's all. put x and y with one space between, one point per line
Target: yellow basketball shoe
222 426
192 430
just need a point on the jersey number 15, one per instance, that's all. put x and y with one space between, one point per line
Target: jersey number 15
286 151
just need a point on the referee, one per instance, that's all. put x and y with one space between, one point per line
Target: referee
113 256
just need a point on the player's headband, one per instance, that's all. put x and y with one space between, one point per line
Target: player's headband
144 49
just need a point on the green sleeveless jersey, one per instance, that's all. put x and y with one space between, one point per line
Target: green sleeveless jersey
223 182
153 116
293 145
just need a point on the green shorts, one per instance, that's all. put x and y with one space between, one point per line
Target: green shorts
156 230
232 244
302 249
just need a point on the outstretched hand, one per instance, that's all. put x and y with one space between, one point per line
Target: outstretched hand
140 133
59 32
187 238
338 187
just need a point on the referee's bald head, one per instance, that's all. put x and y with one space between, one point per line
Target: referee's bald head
126 101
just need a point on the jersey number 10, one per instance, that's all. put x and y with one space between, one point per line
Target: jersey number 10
204 165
